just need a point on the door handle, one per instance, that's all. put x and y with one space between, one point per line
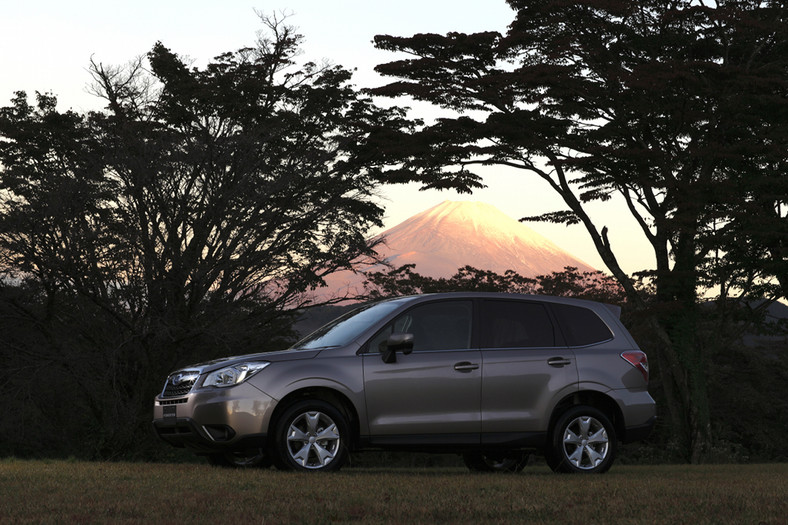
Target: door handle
466 366
559 362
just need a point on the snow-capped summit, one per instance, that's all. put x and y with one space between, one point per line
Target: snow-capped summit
451 235
455 234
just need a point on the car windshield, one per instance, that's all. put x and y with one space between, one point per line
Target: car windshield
348 327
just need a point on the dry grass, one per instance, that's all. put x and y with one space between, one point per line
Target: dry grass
75 492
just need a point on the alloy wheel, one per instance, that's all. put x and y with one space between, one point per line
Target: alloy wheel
585 442
313 440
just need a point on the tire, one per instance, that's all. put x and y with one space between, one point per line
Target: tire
503 461
255 458
311 435
583 441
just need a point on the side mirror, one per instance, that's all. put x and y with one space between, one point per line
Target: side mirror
395 343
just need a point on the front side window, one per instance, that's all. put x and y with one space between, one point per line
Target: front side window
516 324
444 325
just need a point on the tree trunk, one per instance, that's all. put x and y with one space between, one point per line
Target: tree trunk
678 314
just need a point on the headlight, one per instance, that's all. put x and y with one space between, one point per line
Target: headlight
233 375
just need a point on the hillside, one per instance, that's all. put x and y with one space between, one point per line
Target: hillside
455 234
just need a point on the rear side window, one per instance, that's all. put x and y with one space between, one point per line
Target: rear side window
581 326
515 324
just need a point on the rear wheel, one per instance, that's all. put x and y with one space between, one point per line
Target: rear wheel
583 441
504 461
311 435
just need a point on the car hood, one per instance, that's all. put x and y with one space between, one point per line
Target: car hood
283 355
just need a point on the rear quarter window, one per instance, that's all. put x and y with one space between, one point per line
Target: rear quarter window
581 326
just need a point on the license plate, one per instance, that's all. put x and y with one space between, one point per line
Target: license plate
170 412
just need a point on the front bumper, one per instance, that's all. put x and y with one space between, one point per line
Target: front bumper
185 433
214 419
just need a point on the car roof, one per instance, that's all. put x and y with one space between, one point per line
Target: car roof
593 305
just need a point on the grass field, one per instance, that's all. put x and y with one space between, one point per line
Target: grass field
79 492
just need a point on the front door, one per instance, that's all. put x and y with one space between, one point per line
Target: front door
432 395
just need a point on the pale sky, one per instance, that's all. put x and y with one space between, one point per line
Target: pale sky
47 46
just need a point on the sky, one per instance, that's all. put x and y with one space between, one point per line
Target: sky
47 46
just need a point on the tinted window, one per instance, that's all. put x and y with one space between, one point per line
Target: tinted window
581 326
444 325
516 324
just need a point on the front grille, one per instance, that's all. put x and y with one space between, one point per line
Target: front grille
180 383
173 402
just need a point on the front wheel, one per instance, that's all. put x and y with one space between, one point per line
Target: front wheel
583 441
505 461
311 435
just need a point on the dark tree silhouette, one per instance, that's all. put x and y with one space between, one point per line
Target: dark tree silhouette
679 108
594 286
187 219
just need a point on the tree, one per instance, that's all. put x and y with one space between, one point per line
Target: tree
190 216
677 107
594 286
404 280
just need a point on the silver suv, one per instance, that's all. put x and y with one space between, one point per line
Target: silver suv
490 376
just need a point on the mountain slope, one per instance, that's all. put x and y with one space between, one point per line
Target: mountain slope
455 234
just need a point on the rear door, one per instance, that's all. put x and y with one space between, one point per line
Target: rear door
433 394
525 367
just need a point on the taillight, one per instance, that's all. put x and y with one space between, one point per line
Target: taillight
639 360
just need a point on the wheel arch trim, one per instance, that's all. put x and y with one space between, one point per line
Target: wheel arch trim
327 392
589 396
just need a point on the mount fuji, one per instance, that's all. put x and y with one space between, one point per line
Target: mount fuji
451 235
